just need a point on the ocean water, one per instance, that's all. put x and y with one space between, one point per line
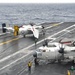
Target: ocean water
36 13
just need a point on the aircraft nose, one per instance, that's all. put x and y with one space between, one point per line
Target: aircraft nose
35 55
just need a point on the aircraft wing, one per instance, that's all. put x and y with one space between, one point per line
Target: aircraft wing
35 32
69 49
38 27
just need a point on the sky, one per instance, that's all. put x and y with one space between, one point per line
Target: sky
37 1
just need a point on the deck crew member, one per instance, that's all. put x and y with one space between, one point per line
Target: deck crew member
29 65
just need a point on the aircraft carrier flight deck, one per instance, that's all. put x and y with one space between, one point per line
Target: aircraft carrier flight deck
17 51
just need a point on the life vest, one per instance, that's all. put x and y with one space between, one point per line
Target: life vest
29 64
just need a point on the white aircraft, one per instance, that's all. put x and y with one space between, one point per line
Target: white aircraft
25 29
55 52
30 29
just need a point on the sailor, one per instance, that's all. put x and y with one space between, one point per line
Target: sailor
29 65
36 61
46 42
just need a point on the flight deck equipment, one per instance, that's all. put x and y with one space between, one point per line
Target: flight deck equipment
3 29
16 29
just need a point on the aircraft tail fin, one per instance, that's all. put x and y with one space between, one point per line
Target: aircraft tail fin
3 28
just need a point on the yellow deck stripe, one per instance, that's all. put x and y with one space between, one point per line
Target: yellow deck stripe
56 24
8 41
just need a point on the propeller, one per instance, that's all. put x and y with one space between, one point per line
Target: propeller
62 51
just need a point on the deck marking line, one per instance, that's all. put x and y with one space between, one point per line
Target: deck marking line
16 60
